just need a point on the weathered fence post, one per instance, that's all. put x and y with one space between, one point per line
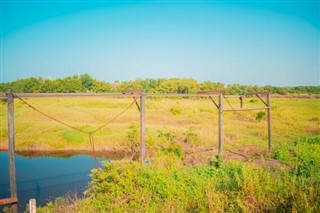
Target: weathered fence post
12 164
142 128
32 206
269 123
220 124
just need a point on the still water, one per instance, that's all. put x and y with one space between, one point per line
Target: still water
46 177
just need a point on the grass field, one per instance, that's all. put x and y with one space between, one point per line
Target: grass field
184 175
184 121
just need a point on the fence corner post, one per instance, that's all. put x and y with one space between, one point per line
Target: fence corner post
11 145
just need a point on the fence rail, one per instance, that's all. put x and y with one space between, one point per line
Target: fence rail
69 95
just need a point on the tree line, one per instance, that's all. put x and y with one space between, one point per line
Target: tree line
86 83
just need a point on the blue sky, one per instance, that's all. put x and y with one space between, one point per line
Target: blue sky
245 42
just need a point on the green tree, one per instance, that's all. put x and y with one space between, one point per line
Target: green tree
87 81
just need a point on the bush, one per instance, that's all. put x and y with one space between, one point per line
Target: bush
254 101
191 136
175 150
260 116
175 111
168 136
133 137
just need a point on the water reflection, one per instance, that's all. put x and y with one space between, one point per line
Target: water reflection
46 175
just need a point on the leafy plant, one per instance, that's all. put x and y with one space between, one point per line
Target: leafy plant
175 111
191 136
175 150
254 101
168 136
133 137
260 116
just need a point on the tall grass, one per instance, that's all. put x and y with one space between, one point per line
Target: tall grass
166 185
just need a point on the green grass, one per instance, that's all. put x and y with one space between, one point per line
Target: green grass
166 185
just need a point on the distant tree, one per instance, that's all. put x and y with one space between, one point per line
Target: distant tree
188 85
129 85
168 86
211 86
87 81
101 86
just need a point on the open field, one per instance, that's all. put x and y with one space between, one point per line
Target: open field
189 122
184 175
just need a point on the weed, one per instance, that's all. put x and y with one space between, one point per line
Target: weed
174 149
260 116
168 136
133 137
254 101
175 111
191 136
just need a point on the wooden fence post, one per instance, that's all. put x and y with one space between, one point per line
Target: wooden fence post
32 206
142 128
269 123
220 124
12 164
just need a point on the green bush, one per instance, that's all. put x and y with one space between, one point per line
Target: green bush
191 136
254 101
260 116
167 136
175 150
133 137
175 111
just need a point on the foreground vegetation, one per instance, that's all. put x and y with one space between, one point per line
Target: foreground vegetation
166 185
85 83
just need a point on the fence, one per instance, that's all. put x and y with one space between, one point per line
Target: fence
130 93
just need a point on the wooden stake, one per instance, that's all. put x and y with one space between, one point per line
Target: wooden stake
220 124
269 123
142 128
12 164
32 206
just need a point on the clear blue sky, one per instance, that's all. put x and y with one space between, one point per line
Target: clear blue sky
245 42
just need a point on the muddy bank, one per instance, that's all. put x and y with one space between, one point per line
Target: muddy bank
116 155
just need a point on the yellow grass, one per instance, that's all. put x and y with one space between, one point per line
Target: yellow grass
290 118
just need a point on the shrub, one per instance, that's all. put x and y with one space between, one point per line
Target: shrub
133 137
260 116
175 111
167 136
253 101
191 136
175 150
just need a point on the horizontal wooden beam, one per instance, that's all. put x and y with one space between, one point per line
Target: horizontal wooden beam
8 200
179 95
69 95
247 109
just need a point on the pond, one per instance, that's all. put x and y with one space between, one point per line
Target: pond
45 176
